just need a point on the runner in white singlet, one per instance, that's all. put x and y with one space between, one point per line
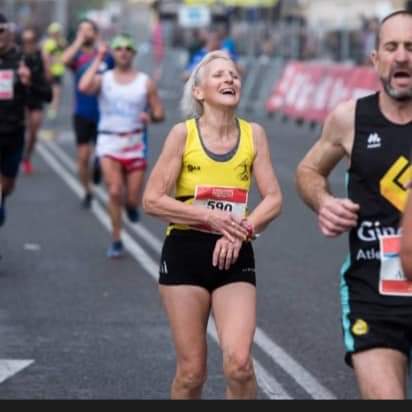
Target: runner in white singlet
128 101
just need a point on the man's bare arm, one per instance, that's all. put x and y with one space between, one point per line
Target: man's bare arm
71 51
335 215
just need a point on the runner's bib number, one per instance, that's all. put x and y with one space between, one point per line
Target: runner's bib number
393 281
226 199
6 85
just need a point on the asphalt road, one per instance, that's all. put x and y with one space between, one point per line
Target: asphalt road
90 328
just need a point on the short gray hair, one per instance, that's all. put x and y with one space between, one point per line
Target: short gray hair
191 107
402 12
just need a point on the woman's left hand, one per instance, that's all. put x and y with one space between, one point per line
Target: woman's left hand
226 253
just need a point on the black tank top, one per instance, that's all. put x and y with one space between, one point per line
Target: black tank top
380 164
35 62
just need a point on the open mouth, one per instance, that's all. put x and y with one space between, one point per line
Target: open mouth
228 92
402 74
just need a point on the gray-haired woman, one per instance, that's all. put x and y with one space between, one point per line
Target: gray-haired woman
207 264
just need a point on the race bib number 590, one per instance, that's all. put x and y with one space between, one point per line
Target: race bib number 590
226 199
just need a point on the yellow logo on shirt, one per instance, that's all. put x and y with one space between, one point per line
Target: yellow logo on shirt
393 185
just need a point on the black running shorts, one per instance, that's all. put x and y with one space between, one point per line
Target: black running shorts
187 259
366 330
85 130
11 156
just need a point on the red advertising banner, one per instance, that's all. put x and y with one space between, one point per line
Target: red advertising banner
310 91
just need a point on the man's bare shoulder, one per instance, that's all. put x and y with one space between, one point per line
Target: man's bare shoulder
343 117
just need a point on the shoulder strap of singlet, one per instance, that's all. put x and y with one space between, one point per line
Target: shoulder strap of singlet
191 127
246 135
369 112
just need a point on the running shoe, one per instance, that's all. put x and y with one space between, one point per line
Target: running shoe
116 250
87 201
2 215
133 214
97 171
27 167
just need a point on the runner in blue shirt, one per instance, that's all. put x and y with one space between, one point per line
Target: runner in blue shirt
78 57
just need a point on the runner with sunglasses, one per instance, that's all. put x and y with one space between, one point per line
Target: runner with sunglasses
128 101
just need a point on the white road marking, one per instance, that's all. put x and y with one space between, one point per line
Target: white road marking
293 368
271 388
298 373
32 247
269 385
9 368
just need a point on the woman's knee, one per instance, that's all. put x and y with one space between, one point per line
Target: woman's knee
238 365
191 375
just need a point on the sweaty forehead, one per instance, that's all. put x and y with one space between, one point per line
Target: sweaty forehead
398 29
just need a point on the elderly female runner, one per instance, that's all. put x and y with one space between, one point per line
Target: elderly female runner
207 265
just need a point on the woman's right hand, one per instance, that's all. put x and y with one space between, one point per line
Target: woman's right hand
226 253
227 224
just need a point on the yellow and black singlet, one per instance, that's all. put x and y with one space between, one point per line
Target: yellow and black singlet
216 181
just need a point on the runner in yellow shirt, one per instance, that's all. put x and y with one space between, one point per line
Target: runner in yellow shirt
200 185
53 48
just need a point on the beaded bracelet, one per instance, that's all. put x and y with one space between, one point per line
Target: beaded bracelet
251 235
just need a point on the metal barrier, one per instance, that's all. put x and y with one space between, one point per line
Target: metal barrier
259 76
167 74
259 83
171 73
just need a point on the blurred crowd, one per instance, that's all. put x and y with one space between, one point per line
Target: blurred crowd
288 39
261 34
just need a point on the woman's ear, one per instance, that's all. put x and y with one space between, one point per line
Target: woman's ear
198 93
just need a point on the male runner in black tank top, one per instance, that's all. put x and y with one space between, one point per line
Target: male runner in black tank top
375 135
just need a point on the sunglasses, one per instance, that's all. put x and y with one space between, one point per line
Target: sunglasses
129 49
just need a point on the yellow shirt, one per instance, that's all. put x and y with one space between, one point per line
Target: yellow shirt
213 181
53 49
